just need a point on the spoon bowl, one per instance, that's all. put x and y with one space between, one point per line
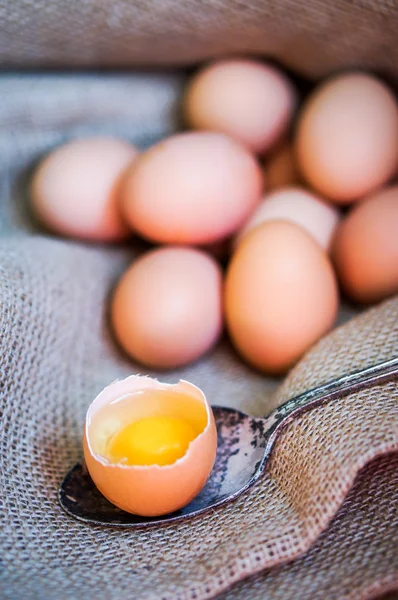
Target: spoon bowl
244 444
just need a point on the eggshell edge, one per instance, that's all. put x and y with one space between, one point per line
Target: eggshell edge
132 493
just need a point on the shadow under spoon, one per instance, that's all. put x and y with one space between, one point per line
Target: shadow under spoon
244 445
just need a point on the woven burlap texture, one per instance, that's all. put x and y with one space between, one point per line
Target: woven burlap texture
313 38
356 536
57 353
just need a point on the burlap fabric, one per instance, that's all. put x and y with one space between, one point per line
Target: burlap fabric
356 536
57 353
312 37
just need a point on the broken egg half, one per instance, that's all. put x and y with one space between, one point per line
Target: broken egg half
150 446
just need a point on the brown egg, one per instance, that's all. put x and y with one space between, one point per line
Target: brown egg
150 489
347 137
298 206
281 168
192 188
167 308
251 101
280 295
75 189
365 249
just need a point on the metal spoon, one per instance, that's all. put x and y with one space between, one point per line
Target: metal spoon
244 445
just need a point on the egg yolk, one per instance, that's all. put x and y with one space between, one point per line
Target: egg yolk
151 441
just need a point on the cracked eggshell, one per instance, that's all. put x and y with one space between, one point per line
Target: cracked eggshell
149 490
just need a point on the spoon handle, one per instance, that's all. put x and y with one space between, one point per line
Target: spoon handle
281 416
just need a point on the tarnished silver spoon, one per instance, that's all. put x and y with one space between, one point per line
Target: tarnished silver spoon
244 445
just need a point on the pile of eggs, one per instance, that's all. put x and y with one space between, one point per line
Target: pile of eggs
294 201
